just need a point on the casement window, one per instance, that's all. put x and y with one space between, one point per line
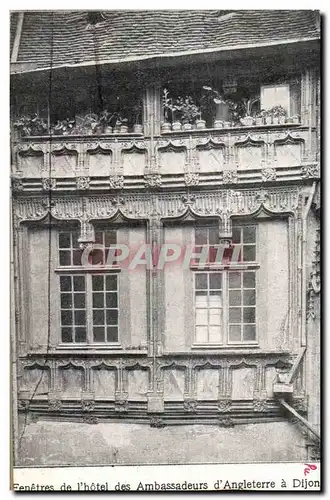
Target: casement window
225 291
89 296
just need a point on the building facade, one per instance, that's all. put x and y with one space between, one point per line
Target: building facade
196 156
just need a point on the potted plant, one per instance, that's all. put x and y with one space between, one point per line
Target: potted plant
295 119
188 110
87 124
260 117
221 106
104 122
279 114
64 127
35 125
137 127
268 117
248 119
122 123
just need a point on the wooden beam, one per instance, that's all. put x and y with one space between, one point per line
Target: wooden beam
17 39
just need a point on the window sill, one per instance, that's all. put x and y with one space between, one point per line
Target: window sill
228 351
221 267
250 345
89 269
238 128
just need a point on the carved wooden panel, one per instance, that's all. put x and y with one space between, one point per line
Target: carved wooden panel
174 384
100 163
64 164
138 384
207 384
243 382
211 160
103 382
72 380
172 162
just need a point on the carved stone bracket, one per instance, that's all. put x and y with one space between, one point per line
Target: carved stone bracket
191 179
268 174
158 423
310 171
49 184
153 180
82 183
116 181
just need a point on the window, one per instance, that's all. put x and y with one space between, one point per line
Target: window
225 291
89 296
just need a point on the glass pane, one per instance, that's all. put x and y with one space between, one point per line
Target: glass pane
65 257
234 315
64 240
213 236
249 332
112 317
111 282
65 283
112 300
249 315
66 334
249 253
97 282
249 280
249 234
201 236
66 317
66 300
75 242
99 237
234 280
79 318
214 334
201 299
201 317
98 334
201 334
79 283
80 334
215 299
77 257
112 334
98 317
236 234
96 257
235 333
98 300
110 238
201 281
249 297
234 297
215 280
79 300
215 316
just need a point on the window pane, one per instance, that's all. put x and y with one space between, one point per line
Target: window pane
201 281
98 300
99 237
201 299
64 240
234 315
214 334
77 257
66 317
79 283
112 300
234 280
235 333
110 238
201 317
98 317
80 334
98 334
65 283
249 332
112 317
215 316
75 242
249 253
215 280
213 236
112 334
215 299
201 334
111 282
236 235
79 300
66 300
97 282
201 236
97 257
249 234
249 280
249 297
79 318
234 297
65 257
66 334
249 315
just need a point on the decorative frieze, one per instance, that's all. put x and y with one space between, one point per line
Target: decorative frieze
49 184
191 179
311 171
116 181
229 177
268 174
153 180
82 183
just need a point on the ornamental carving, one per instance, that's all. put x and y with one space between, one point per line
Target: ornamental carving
310 171
121 406
157 423
260 405
224 405
17 185
82 183
191 179
268 174
48 184
153 180
225 422
116 181
190 406
87 405
54 405
23 404
229 177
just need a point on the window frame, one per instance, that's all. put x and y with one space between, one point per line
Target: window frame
225 269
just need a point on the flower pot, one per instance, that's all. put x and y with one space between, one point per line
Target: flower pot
200 124
259 121
276 120
137 128
187 126
176 126
295 119
247 121
218 124
166 127
98 130
108 130
123 129
227 124
281 119
268 120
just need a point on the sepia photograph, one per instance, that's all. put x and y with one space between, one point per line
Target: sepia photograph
165 249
